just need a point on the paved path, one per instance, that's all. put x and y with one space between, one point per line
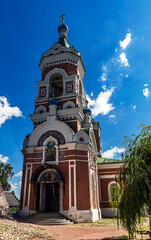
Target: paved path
75 232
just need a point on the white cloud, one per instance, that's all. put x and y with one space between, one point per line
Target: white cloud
133 106
19 174
104 87
126 75
123 60
3 159
146 92
112 119
146 85
112 152
112 116
7 112
14 186
101 104
103 77
126 41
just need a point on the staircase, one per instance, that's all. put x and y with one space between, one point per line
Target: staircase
48 218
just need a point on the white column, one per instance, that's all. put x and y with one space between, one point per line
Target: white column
29 189
25 185
60 197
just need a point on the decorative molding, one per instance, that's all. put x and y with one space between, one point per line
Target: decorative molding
59 126
68 104
81 134
39 108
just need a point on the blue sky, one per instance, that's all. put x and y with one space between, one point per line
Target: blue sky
114 38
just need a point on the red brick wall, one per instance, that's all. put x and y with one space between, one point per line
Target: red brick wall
69 68
82 177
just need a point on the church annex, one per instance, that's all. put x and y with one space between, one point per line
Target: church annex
62 169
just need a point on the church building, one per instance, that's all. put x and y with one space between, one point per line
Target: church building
62 168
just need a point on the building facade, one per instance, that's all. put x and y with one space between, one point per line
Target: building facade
62 169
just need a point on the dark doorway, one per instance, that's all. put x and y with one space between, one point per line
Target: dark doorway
50 200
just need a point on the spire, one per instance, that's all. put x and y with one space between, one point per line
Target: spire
63 31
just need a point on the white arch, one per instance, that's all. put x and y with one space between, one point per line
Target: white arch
109 185
48 76
82 134
41 107
56 70
68 104
59 126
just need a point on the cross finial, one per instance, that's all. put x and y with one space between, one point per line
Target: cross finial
62 17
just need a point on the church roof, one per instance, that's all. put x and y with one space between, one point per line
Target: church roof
108 160
11 199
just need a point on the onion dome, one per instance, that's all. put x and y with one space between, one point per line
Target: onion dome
63 31
63 26
53 101
86 110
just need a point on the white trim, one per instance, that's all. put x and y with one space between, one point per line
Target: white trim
29 189
26 171
75 186
109 165
59 126
68 104
90 186
109 185
74 190
69 186
41 107
82 134
100 196
108 176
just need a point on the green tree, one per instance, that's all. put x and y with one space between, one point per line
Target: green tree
6 173
134 180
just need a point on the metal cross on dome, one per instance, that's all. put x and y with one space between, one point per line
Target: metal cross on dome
62 17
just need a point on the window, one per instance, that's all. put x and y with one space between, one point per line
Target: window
51 151
56 85
81 139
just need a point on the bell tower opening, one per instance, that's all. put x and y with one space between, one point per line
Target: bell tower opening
56 85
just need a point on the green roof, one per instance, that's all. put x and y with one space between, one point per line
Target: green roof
108 160
64 42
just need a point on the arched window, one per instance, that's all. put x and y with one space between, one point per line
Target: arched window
51 151
111 187
56 84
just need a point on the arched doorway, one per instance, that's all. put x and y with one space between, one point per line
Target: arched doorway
49 191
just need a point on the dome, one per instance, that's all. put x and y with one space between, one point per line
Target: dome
63 26
86 110
53 101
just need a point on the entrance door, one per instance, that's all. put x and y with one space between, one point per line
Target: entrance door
50 197
47 197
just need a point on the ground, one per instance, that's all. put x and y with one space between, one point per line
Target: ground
106 229
20 231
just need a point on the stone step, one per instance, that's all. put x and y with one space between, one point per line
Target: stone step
42 218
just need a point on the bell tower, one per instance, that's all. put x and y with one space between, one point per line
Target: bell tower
60 154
